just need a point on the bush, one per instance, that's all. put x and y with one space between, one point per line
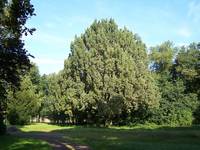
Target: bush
15 118
174 117
183 117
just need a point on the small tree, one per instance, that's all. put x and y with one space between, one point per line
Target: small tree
23 104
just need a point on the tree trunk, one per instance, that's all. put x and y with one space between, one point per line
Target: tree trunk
2 124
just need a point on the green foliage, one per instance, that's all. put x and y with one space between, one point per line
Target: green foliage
177 104
188 67
108 66
106 80
14 58
24 102
161 57
57 106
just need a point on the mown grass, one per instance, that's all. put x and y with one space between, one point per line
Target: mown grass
43 127
127 138
8 142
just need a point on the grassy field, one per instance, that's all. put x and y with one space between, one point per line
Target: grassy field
8 142
126 138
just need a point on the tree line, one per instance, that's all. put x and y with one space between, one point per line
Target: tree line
109 79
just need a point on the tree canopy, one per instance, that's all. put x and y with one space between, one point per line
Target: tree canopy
108 77
14 58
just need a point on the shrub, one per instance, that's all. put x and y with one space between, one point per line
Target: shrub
15 118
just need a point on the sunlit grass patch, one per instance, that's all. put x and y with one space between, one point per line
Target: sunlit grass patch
42 127
140 137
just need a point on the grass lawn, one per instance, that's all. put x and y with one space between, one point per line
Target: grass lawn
126 138
8 142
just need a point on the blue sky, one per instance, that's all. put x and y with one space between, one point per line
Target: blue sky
58 21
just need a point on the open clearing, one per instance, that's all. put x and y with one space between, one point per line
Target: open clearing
120 138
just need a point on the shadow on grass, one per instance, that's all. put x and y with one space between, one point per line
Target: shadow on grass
165 138
9 142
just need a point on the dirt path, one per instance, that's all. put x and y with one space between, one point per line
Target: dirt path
55 140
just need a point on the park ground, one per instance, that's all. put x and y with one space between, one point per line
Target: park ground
145 137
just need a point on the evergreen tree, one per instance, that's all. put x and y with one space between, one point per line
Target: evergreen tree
108 66
23 103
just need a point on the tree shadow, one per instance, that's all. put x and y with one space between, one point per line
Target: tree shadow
10 142
165 137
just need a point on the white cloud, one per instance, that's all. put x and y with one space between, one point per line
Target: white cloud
194 10
48 65
47 61
49 39
50 25
181 44
72 20
83 20
184 31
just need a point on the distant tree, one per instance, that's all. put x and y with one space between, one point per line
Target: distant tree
56 105
35 75
37 82
44 92
187 64
176 104
162 57
14 59
187 67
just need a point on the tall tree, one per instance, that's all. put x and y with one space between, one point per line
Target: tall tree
14 58
187 67
109 66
